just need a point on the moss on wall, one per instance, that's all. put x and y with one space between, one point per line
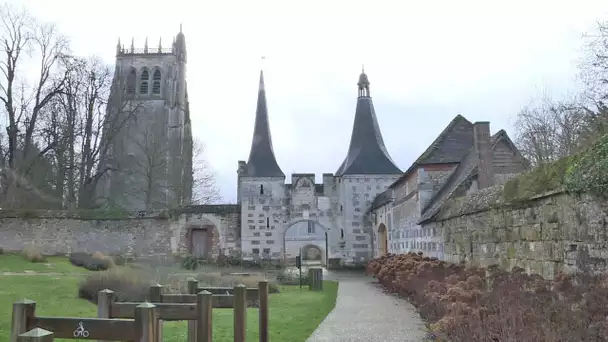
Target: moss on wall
540 180
585 172
589 173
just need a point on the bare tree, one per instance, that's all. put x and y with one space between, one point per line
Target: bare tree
148 165
594 65
594 74
550 130
24 102
205 189
555 129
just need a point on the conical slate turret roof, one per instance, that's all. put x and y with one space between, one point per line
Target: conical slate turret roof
262 162
366 153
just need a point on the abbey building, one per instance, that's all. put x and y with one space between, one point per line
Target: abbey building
366 208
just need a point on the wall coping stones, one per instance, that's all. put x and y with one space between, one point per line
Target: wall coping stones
484 200
101 214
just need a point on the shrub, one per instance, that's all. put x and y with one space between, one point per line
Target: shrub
79 258
128 286
1 251
119 260
32 253
477 304
190 262
91 262
291 276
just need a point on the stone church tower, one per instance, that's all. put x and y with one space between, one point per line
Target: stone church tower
327 220
148 135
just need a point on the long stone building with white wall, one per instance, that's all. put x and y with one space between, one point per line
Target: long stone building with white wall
464 158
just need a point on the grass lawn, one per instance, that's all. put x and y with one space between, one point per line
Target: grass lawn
15 263
294 313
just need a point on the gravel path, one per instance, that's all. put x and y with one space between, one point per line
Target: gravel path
364 312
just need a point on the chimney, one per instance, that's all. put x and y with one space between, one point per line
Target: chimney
483 149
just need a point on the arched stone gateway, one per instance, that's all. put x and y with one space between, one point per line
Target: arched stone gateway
382 239
312 255
307 237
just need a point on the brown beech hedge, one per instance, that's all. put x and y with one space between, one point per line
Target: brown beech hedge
471 304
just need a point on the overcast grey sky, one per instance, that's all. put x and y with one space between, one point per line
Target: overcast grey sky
426 60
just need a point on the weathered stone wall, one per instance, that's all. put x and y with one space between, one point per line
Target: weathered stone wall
544 234
133 236
137 235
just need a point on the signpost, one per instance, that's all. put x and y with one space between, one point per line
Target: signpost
299 265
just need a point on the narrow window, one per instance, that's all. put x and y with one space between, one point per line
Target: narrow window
267 222
156 82
311 227
261 189
131 81
143 81
341 233
340 207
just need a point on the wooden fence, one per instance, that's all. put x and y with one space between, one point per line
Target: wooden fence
194 307
26 326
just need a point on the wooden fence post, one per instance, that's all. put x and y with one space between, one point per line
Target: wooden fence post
192 289
146 323
105 298
240 313
204 325
22 311
155 295
315 279
36 335
263 310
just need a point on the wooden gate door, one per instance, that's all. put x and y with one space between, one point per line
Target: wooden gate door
199 243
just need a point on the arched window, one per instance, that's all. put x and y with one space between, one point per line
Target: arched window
131 81
156 82
144 80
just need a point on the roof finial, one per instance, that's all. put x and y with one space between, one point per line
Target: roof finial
363 68
146 46
132 44
261 88
160 44
180 27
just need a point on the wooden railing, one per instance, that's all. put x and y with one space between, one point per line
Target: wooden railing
133 321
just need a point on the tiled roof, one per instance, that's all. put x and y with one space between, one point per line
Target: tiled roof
466 169
451 146
382 199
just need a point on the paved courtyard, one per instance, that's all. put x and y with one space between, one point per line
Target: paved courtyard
365 313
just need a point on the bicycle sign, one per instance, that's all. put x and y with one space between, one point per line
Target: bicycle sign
81 331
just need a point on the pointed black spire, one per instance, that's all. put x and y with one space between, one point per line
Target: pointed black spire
366 153
262 162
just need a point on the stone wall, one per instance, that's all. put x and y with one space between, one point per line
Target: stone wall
544 234
137 235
